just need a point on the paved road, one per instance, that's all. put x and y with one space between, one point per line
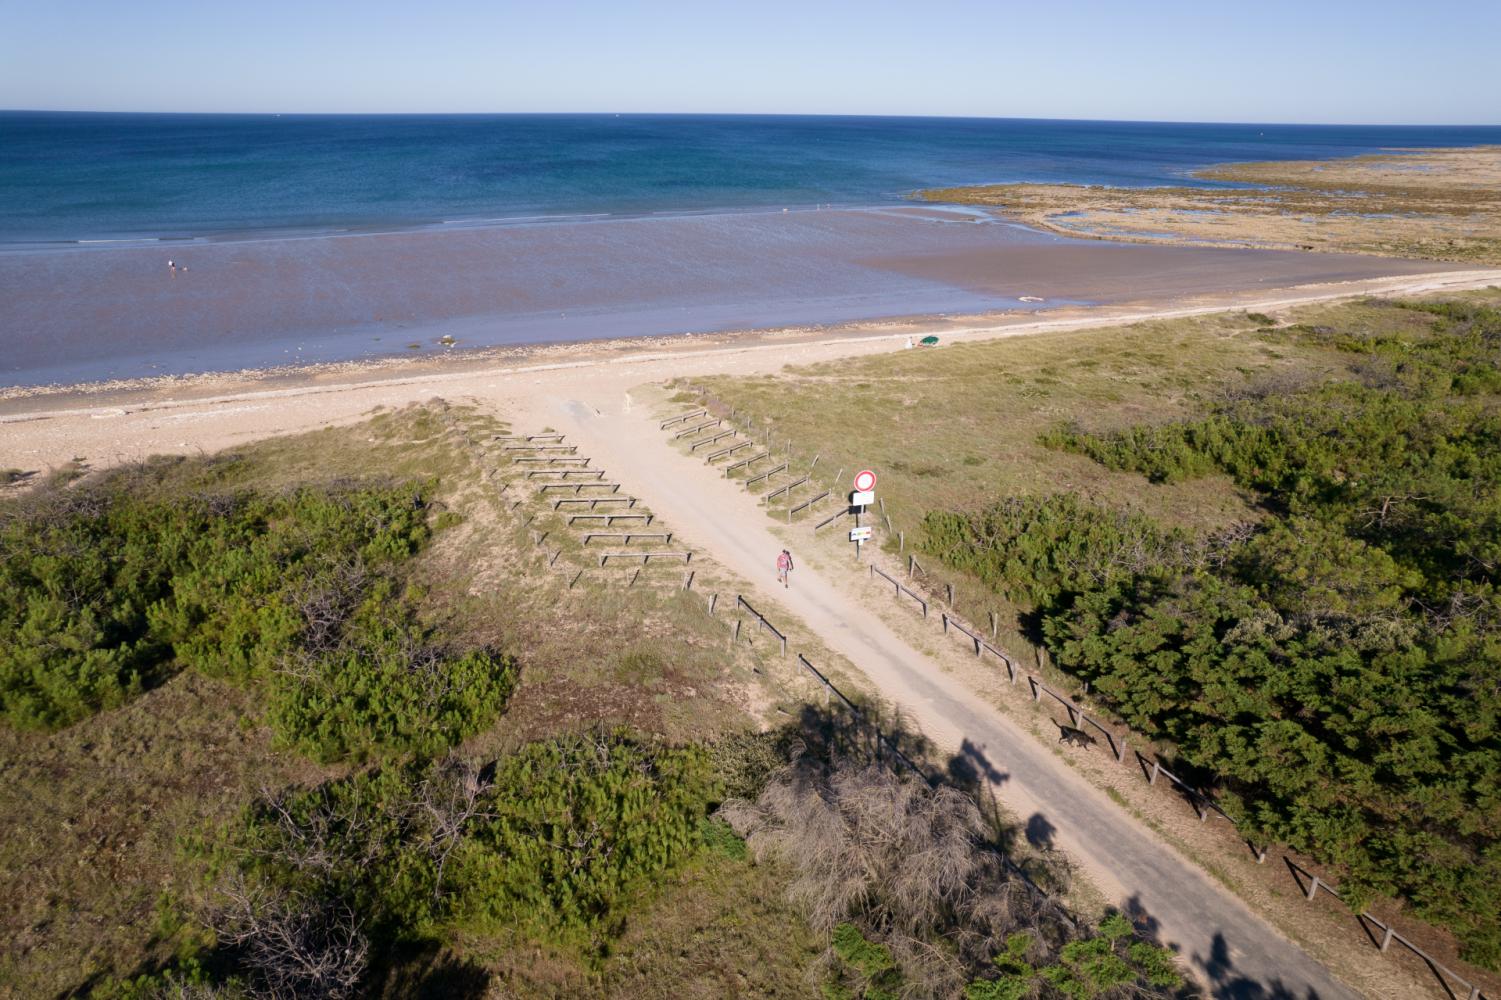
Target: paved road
1235 952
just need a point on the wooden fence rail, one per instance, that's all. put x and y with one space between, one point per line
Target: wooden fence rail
682 417
645 557
741 602
565 473
665 537
807 504
833 517
567 449
1203 804
981 644
900 590
711 439
595 501
578 488
610 519
784 489
1389 934
582 461
1077 717
528 438
765 475
746 463
696 428
726 452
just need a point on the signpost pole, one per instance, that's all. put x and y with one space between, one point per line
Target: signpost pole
859 501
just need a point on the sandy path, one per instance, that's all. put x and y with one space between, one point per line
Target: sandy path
1228 946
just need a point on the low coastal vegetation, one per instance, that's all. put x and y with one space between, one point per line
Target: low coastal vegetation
294 731
107 589
1282 564
1352 634
281 742
1437 204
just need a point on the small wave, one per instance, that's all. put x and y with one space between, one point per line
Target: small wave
525 218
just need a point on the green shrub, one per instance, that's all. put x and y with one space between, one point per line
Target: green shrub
1110 963
1044 548
579 825
108 588
387 688
1334 670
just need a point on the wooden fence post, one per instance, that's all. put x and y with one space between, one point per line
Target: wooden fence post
949 587
1313 887
1156 768
901 542
994 625
1386 939
713 600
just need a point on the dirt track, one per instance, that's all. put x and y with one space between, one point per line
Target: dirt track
1235 952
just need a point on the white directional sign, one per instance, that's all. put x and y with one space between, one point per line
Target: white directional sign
865 499
865 481
859 534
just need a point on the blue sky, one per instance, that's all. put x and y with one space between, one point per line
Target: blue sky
1316 61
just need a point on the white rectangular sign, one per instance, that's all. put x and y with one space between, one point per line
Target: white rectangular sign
862 499
859 534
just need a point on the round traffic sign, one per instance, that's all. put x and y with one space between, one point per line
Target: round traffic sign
865 481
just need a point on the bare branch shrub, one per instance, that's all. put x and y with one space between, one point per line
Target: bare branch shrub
914 865
318 844
294 946
453 795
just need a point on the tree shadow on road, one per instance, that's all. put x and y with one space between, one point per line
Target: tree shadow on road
1040 832
1225 982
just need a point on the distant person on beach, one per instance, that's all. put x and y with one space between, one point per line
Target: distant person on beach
172 266
784 567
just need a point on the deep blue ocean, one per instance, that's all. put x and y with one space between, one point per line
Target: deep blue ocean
69 177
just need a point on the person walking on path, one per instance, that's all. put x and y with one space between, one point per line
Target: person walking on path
784 567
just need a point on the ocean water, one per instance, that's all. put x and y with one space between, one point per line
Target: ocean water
85 177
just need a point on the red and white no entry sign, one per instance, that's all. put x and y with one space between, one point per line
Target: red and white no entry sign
865 481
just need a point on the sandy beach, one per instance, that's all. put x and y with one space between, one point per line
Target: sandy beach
113 423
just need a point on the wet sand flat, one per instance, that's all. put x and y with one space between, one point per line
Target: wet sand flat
90 313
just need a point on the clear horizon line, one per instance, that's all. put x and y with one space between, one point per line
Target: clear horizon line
749 114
